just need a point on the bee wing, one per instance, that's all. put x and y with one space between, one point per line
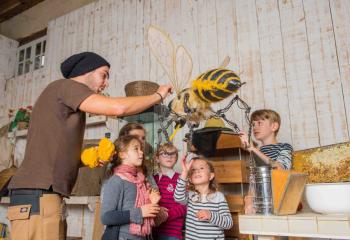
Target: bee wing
184 66
225 62
163 49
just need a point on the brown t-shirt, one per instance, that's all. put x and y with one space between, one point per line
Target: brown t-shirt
55 138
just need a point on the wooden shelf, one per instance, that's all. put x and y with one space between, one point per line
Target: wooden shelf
72 200
230 171
234 231
230 174
96 120
235 203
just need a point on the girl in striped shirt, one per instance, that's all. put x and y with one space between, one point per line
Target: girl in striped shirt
208 214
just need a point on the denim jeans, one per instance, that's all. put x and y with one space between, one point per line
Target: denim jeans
167 238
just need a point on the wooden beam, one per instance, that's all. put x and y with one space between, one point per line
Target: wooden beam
17 9
6 5
32 37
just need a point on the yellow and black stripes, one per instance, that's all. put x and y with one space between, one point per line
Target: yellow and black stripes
216 84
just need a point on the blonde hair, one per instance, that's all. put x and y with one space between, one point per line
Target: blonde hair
268 114
212 183
165 148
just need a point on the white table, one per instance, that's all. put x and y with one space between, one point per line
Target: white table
310 225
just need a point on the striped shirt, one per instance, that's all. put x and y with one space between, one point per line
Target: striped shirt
176 212
216 203
279 152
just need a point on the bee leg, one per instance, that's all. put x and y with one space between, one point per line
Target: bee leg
187 109
163 129
231 123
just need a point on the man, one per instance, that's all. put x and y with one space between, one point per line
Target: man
54 142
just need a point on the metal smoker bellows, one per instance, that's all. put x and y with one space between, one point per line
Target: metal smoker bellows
263 202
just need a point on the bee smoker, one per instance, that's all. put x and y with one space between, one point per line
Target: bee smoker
263 201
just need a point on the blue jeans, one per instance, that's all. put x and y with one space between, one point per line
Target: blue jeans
167 238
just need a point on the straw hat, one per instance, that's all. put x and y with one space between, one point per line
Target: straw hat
214 122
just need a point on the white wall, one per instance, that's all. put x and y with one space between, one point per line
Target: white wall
294 55
8 48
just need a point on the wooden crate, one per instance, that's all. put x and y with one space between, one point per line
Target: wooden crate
234 231
232 171
235 203
228 141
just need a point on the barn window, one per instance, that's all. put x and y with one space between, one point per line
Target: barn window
31 56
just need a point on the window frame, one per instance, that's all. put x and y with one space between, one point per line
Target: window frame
33 55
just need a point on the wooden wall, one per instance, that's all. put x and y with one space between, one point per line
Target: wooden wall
293 55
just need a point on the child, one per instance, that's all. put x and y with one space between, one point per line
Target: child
128 208
136 129
207 210
266 124
172 214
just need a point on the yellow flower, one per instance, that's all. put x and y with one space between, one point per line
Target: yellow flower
89 157
105 149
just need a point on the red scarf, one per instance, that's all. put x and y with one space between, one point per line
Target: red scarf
131 174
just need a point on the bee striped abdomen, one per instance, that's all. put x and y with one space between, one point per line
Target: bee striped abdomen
216 84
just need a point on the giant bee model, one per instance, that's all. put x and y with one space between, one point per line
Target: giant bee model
192 104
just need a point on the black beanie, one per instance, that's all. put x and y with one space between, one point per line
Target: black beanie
81 63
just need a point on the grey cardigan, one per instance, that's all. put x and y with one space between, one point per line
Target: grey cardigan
118 192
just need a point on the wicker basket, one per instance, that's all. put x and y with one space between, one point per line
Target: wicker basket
140 88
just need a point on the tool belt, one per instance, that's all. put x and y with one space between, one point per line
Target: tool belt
28 197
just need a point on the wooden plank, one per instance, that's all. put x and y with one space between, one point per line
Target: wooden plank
234 231
235 202
54 48
206 30
325 73
158 18
340 17
17 9
287 190
102 27
172 13
227 141
142 52
189 39
249 55
272 64
230 171
129 31
303 117
115 25
98 227
227 35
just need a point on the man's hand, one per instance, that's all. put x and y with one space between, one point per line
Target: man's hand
203 215
165 90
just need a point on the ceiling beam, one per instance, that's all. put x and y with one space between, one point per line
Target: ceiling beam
6 5
15 7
